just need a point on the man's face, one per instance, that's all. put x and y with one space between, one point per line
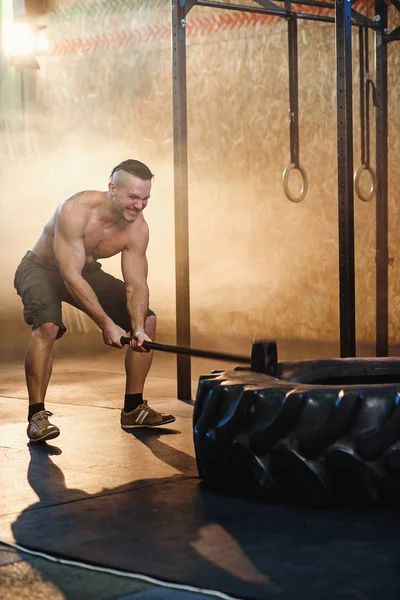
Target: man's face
129 196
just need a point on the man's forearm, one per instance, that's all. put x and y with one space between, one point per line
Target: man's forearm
87 300
137 302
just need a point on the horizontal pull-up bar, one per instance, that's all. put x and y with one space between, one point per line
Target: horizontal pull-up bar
252 9
312 3
285 14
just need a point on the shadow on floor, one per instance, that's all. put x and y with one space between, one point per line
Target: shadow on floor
177 530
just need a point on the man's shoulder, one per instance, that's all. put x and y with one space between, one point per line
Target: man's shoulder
140 226
89 198
81 202
138 234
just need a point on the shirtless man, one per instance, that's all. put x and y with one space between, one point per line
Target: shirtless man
62 266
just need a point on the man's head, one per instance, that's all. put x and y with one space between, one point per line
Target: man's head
129 188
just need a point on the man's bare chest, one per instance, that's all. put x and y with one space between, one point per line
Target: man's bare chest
101 242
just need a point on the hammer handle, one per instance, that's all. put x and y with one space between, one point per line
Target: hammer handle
190 351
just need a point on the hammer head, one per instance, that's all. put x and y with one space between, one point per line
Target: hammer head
264 357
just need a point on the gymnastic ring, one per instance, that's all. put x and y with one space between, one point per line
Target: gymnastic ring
285 180
357 176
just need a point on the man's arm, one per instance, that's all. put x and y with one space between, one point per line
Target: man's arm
134 271
70 254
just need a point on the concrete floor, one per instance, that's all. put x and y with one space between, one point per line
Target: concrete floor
94 459
86 393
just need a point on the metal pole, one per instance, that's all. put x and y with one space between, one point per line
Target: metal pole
283 13
181 197
345 178
382 246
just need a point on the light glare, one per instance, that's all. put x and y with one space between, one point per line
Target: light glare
42 43
22 40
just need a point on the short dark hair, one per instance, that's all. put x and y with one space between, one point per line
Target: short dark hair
134 167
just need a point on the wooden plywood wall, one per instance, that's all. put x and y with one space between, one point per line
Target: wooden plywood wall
260 265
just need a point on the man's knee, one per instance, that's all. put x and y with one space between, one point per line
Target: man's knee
150 325
47 332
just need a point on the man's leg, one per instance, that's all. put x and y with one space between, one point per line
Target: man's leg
111 294
136 411
41 288
39 361
137 364
38 367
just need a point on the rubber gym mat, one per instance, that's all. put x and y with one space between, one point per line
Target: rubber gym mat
174 529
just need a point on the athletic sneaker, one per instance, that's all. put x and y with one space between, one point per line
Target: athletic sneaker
40 428
144 416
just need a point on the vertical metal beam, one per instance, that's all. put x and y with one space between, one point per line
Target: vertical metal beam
382 246
181 196
345 177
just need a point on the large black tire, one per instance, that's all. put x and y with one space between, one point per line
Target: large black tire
317 432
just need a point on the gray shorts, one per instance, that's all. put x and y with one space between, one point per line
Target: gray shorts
42 290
